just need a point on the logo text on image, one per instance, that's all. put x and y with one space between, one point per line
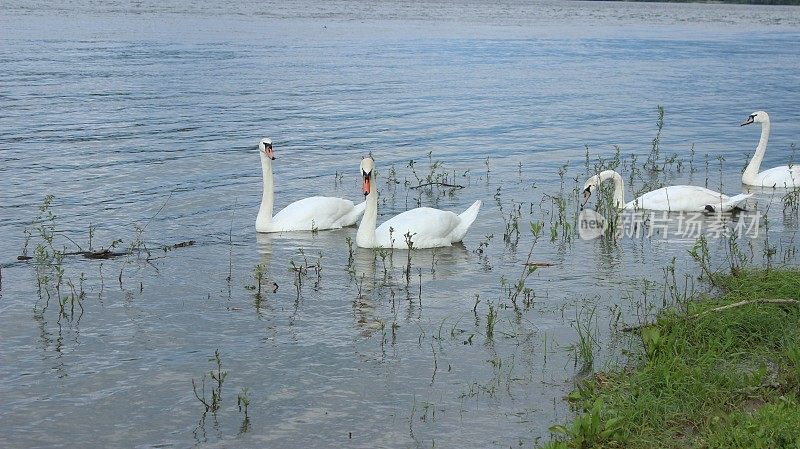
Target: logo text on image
690 225
591 224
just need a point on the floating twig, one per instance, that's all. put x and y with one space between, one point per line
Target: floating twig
747 302
637 327
99 254
780 301
179 245
106 253
442 184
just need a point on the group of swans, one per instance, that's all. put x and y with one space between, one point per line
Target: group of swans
686 198
430 228
426 227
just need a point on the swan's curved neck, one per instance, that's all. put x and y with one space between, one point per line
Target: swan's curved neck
619 187
751 172
264 218
365 237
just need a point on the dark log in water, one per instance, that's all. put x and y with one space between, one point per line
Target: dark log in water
103 254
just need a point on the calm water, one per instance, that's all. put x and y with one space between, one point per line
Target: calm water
119 109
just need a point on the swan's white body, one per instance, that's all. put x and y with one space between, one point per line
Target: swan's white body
428 227
310 214
672 198
784 177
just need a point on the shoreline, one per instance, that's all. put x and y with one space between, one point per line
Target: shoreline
724 372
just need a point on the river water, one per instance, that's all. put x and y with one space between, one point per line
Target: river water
141 119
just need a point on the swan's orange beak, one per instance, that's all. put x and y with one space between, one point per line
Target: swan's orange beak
748 121
269 152
366 184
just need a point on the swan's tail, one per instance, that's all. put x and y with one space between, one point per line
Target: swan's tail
465 221
734 202
351 218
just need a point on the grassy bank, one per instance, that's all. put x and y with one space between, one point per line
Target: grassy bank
711 378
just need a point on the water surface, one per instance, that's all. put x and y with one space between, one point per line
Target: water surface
145 116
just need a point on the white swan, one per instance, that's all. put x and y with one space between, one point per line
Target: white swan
671 198
785 176
310 214
428 227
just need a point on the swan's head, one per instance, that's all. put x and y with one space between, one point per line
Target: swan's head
590 186
367 169
265 148
757 117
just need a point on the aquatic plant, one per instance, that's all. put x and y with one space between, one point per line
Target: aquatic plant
699 253
243 401
259 272
491 318
651 164
408 235
219 376
300 270
527 269
434 183
511 234
351 269
736 257
791 203
586 325
673 294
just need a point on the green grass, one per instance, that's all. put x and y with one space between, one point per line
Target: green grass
727 378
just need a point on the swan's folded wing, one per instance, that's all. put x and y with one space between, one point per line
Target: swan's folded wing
428 228
317 212
678 198
780 177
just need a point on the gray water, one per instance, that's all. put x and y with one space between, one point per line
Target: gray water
142 119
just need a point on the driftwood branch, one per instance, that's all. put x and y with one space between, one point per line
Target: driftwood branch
179 245
442 184
106 253
744 303
637 327
779 301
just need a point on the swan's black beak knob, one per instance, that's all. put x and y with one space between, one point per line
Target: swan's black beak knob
367 185
586 195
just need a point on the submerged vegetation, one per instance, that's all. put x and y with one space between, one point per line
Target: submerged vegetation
52 246
699 370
